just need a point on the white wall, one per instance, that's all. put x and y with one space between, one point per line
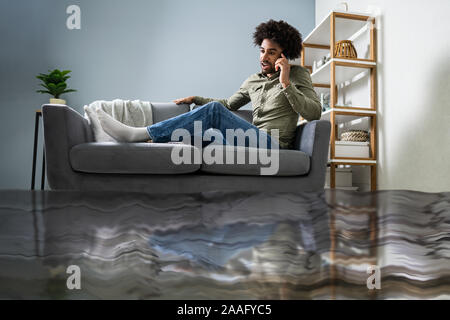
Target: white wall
413 91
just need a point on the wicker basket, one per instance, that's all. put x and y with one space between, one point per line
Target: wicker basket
345 49
355 135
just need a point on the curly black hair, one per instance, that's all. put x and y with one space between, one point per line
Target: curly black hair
289 38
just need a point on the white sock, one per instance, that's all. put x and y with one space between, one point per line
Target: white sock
119 131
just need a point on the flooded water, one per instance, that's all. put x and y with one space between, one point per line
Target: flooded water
225 245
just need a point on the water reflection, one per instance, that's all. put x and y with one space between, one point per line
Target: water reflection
224 245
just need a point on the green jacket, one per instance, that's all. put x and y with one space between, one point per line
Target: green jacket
275 107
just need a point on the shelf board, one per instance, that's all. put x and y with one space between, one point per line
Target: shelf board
343 73
352 161
346 118
340 118
345 28
353 143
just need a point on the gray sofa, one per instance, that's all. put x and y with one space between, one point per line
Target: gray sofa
74 161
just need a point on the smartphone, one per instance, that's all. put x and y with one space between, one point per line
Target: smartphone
276 68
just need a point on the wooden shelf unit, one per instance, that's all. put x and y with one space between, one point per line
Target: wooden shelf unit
337 26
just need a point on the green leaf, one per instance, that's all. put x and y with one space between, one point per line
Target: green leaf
55 79
43 91
69 90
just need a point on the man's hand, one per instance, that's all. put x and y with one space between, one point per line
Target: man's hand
283 63
187 100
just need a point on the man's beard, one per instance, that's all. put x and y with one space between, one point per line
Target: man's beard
268 71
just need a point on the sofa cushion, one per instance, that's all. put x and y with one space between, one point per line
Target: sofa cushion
282 162
132 158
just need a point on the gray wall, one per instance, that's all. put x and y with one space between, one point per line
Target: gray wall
155 50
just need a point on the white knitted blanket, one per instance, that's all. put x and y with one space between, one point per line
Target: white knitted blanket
134 113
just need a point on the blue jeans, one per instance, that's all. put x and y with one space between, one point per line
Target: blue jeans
213 116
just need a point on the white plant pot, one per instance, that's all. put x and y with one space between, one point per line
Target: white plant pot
57 101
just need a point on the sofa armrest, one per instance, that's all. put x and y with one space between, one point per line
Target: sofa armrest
313 138
63 128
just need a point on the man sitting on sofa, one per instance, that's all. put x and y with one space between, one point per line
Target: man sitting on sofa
279 94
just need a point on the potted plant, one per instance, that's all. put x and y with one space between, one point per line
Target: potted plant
55 84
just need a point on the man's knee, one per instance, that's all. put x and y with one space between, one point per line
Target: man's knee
210 106
217 105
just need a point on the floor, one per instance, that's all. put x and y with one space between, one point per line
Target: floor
224 245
